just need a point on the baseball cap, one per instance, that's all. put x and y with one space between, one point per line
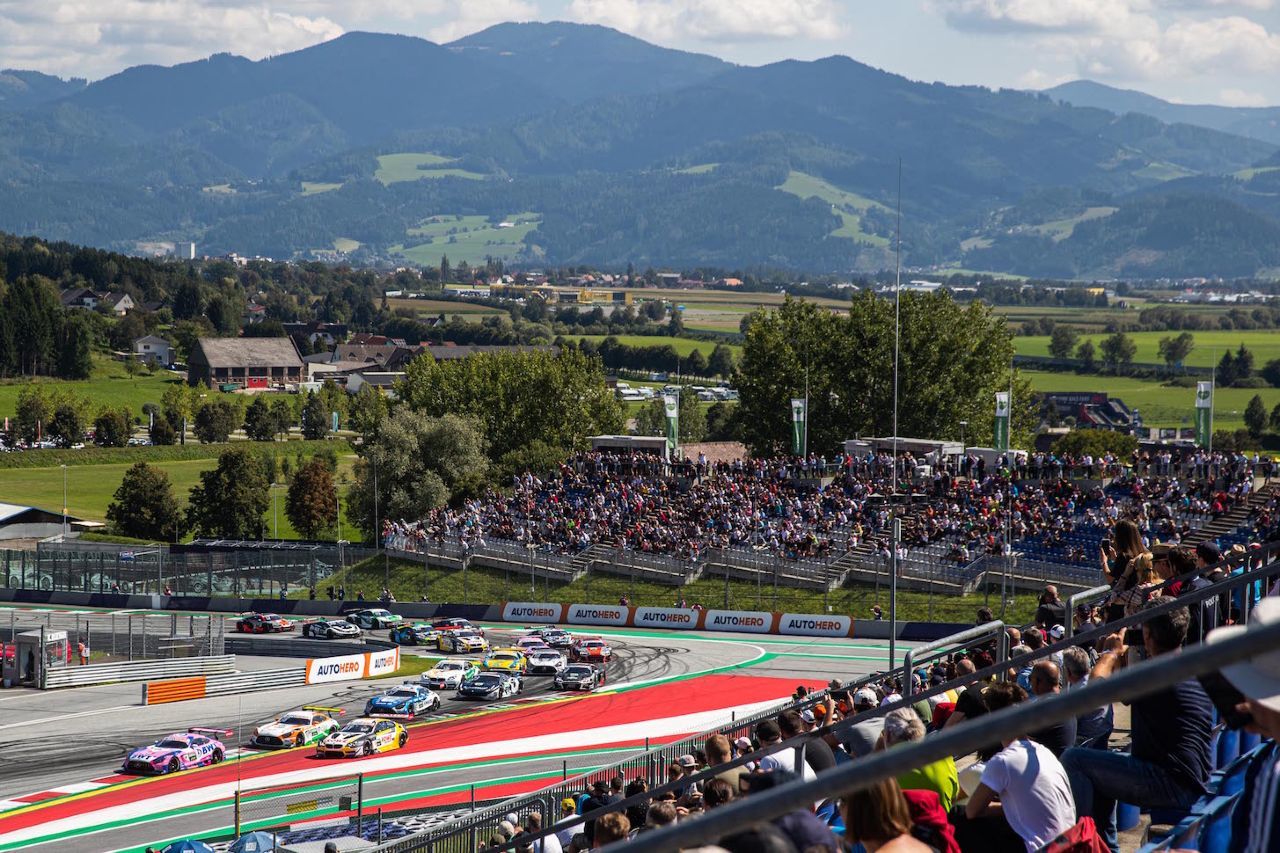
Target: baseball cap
890 699
743 743
807 715
1057 632
687 761
865 696
567 803
1259 676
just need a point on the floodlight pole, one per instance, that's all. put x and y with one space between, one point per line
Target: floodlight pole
897 520
64 502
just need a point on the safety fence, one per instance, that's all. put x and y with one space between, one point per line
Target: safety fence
204 567
283 805
107 673
463 836
124 635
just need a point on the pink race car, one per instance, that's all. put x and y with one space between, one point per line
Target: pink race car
181 751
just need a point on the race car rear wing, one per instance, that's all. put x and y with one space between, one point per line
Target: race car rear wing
335 711
197 730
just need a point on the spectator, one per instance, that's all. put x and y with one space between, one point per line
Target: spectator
1045 681
718 792
1178 562
598 799
577 844
1030 785
610 828
636 811
802 827
568 811
1120 563
1169 762
904 726
768 733
717 748
1093 728
548 844
861 737
615 791
878 818
1051 610
659 814
817 754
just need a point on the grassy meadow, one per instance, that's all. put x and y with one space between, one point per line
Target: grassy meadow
415 166
110 385
467 238
1263 343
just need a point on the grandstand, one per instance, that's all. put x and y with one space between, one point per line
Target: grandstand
1225 816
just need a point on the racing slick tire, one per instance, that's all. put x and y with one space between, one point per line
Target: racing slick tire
404 738
173 766
217 756
299 740
366 749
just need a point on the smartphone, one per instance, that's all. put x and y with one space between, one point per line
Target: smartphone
1225 698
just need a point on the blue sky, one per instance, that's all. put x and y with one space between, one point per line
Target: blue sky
1192 51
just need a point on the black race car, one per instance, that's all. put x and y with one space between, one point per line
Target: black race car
580 676
331 629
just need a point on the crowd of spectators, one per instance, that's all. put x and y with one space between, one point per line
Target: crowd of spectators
814 508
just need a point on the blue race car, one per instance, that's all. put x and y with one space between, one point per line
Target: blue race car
408 700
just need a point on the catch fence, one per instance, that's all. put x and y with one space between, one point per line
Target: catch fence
124 636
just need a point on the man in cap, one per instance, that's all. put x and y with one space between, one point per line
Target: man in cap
568 810
860 738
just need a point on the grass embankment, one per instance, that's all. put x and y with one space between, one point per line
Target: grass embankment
109 385
90 487
408 582
411 666
1159 404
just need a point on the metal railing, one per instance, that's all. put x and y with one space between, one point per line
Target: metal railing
957 640
1088 595
107 673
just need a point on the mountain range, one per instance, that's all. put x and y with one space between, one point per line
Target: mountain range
567 144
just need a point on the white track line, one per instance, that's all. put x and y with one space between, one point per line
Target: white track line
44 720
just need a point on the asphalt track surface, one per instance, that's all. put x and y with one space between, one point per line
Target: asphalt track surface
60 750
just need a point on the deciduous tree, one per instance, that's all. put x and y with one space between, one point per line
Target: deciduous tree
144 505
311 504
1063 341
231 499
1118 350
1174 350
216 421
1255 416
112 428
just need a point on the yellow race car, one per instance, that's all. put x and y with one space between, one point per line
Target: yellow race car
506 660
297 728
362 737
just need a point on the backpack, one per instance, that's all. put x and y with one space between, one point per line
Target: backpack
1081 838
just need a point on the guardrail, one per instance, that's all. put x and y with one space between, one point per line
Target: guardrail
107 673
1096 592
977 632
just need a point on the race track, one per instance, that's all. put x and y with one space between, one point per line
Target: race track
59 750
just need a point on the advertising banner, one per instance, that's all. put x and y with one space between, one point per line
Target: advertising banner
1204 413
798 417
666 617
671 408
524 611
749 621
382 663
809 625
345 668
598 614
1001 441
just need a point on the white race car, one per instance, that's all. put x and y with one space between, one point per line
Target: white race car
450 674
297 728
546 662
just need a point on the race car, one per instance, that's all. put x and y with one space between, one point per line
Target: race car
330 629
579 676
462 642
195 747
456 623
449 673
363 736
490 685
546 661
505 660
297 728
591 650
417 634
408 700
374 618
531 643
557 638
262 623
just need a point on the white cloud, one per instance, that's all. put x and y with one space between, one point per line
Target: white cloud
712 20
94 38
1038 79
1241 98
469 16
1047 16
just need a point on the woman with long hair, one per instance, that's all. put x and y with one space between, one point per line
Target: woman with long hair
1124 562
878 818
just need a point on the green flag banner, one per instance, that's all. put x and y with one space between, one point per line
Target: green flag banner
798 417
1001 441
1204 413
671 406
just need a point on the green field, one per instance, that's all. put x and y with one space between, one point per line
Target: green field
683 346
1250 174
1160 405
90 489
699 169
394 168
408 581
110 385
469 238
850 207
345 244
1264 344
315 187
432 307
1061 229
